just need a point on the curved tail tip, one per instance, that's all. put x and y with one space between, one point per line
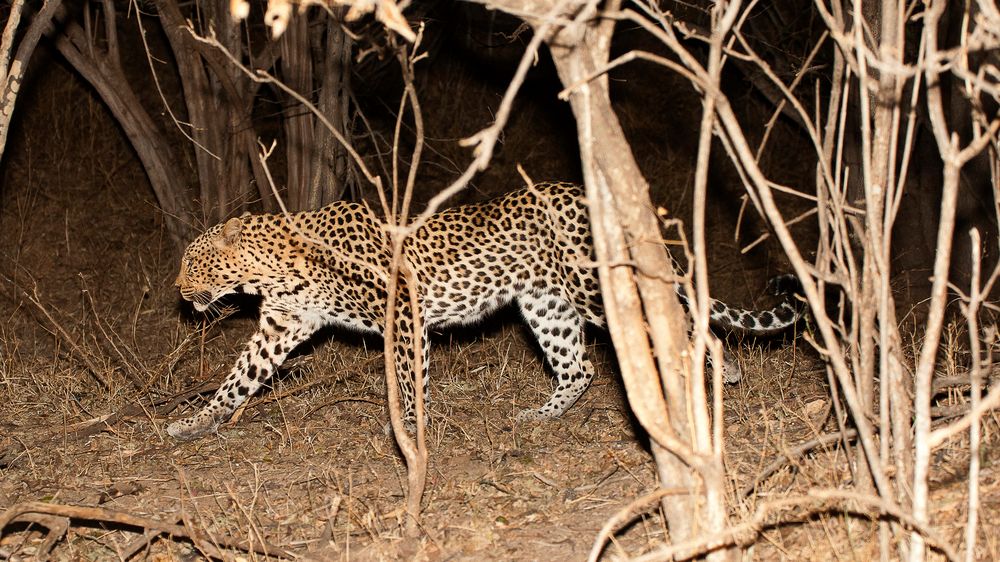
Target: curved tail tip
786 284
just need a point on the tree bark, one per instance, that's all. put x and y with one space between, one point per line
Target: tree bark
637 281
300 148
330 167
12 74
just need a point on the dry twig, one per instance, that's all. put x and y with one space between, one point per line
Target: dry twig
104 515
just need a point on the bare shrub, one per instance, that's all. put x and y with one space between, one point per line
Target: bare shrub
883 70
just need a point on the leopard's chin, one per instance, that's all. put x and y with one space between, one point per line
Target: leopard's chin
201 300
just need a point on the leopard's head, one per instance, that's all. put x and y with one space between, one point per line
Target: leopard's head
213 265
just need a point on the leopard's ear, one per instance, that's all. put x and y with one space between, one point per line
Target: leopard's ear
230 234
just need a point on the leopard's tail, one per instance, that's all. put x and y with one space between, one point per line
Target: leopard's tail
760 322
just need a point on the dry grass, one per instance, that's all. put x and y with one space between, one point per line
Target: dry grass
308 468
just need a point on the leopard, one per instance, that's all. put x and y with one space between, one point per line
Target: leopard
532 248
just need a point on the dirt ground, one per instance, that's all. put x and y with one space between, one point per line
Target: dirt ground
97 355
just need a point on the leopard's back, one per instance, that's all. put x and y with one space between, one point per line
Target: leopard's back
475 258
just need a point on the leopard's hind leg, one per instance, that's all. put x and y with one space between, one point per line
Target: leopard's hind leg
559 328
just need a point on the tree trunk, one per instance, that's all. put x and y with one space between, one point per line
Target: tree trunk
640 301
12 74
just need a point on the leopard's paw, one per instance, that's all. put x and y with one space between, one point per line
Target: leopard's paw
409 425
535 414
192 428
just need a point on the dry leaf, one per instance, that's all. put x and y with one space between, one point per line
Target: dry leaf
239 9
277 15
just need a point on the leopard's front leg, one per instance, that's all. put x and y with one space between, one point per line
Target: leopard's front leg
279 333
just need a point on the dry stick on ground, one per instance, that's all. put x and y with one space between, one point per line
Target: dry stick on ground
626 514
989 402
795 453
103 515
57 527
798 509
140 543
990 377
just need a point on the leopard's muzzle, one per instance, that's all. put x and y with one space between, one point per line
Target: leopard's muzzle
200 299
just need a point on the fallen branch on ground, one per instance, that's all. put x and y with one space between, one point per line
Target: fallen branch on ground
54 516
795 453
